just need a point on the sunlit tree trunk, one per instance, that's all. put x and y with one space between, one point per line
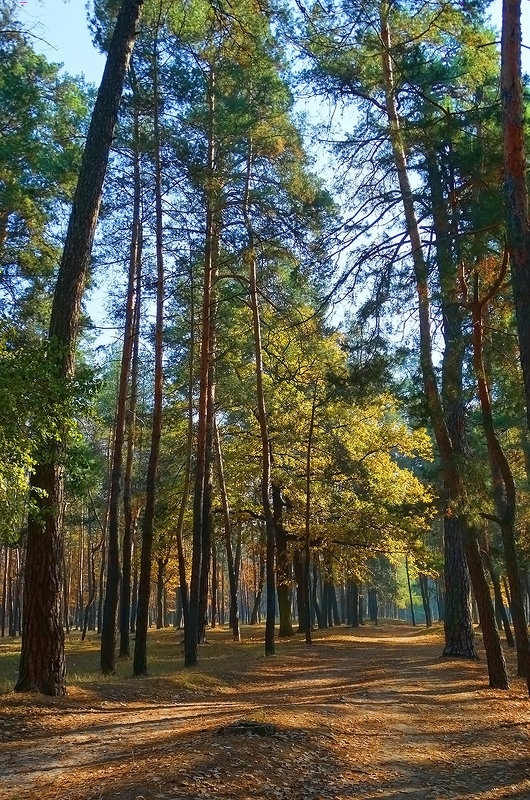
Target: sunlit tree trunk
144 581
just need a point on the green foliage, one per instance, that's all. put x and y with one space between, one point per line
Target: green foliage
37 409
42 116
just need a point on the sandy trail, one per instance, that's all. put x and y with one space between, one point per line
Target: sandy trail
374 713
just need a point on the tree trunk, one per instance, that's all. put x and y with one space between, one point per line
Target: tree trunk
129 516
283 577
4 591
515 179
42 665
259 593
161 566
110 608
506 507
499 601
314 599
232 580
144 582
410 590
184 593
458 626
424 588
262 418
302 597
498 676
191 632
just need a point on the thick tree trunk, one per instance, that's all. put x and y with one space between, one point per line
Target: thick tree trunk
42 666
144 582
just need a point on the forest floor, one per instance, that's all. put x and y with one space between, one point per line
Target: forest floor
368 713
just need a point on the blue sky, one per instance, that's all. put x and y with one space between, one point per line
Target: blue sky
62 31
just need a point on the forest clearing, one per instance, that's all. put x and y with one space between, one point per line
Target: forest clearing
265 403
373 712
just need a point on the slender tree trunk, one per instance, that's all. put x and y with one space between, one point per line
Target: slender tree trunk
254 616
458 624
42 664
307 521
498 677
424 588
283 576
215 584
515 179
134 598
499 601
191 632
184 593
314 599
4 591
207 519
108 633
302 598
161 566
263 424
500 463
144 582
234 611
355 621
410 591
129 515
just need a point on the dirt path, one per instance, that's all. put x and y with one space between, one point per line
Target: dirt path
371 714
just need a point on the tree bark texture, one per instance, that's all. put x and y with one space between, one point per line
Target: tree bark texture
42 665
